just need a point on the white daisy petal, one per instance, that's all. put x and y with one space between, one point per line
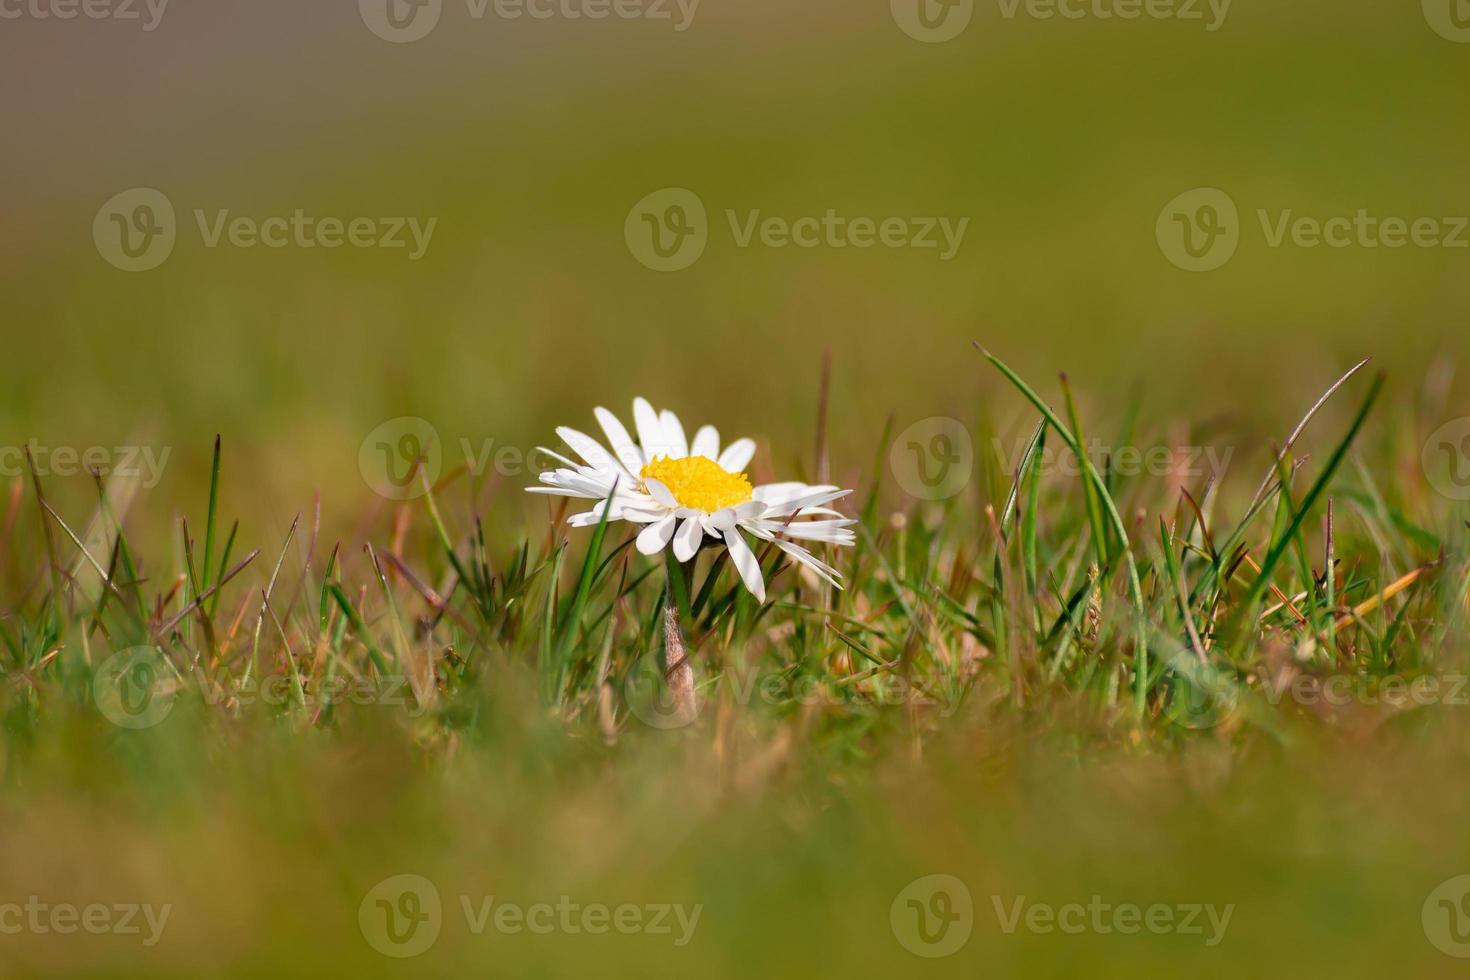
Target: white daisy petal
654 538
810 561
737 455
775 493
706 443
563 492
588 448
801 503
559 458
659 492
749 510
746 564
650 429
674 432
819 512
594 515
686 540
781 493
589 486
623 446
826 531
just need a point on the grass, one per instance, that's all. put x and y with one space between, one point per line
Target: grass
1047 685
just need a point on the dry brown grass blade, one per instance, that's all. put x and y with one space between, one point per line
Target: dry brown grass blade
1373 602
1302 426
1280 596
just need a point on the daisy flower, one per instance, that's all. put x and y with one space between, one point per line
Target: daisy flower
684 492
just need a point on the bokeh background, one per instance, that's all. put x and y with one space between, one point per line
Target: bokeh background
529 141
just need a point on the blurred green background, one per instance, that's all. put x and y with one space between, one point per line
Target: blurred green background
530 140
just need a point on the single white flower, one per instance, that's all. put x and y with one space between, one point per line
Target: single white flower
686 491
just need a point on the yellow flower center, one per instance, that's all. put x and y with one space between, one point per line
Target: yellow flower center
698 482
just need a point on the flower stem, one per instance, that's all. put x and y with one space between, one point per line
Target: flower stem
678 672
